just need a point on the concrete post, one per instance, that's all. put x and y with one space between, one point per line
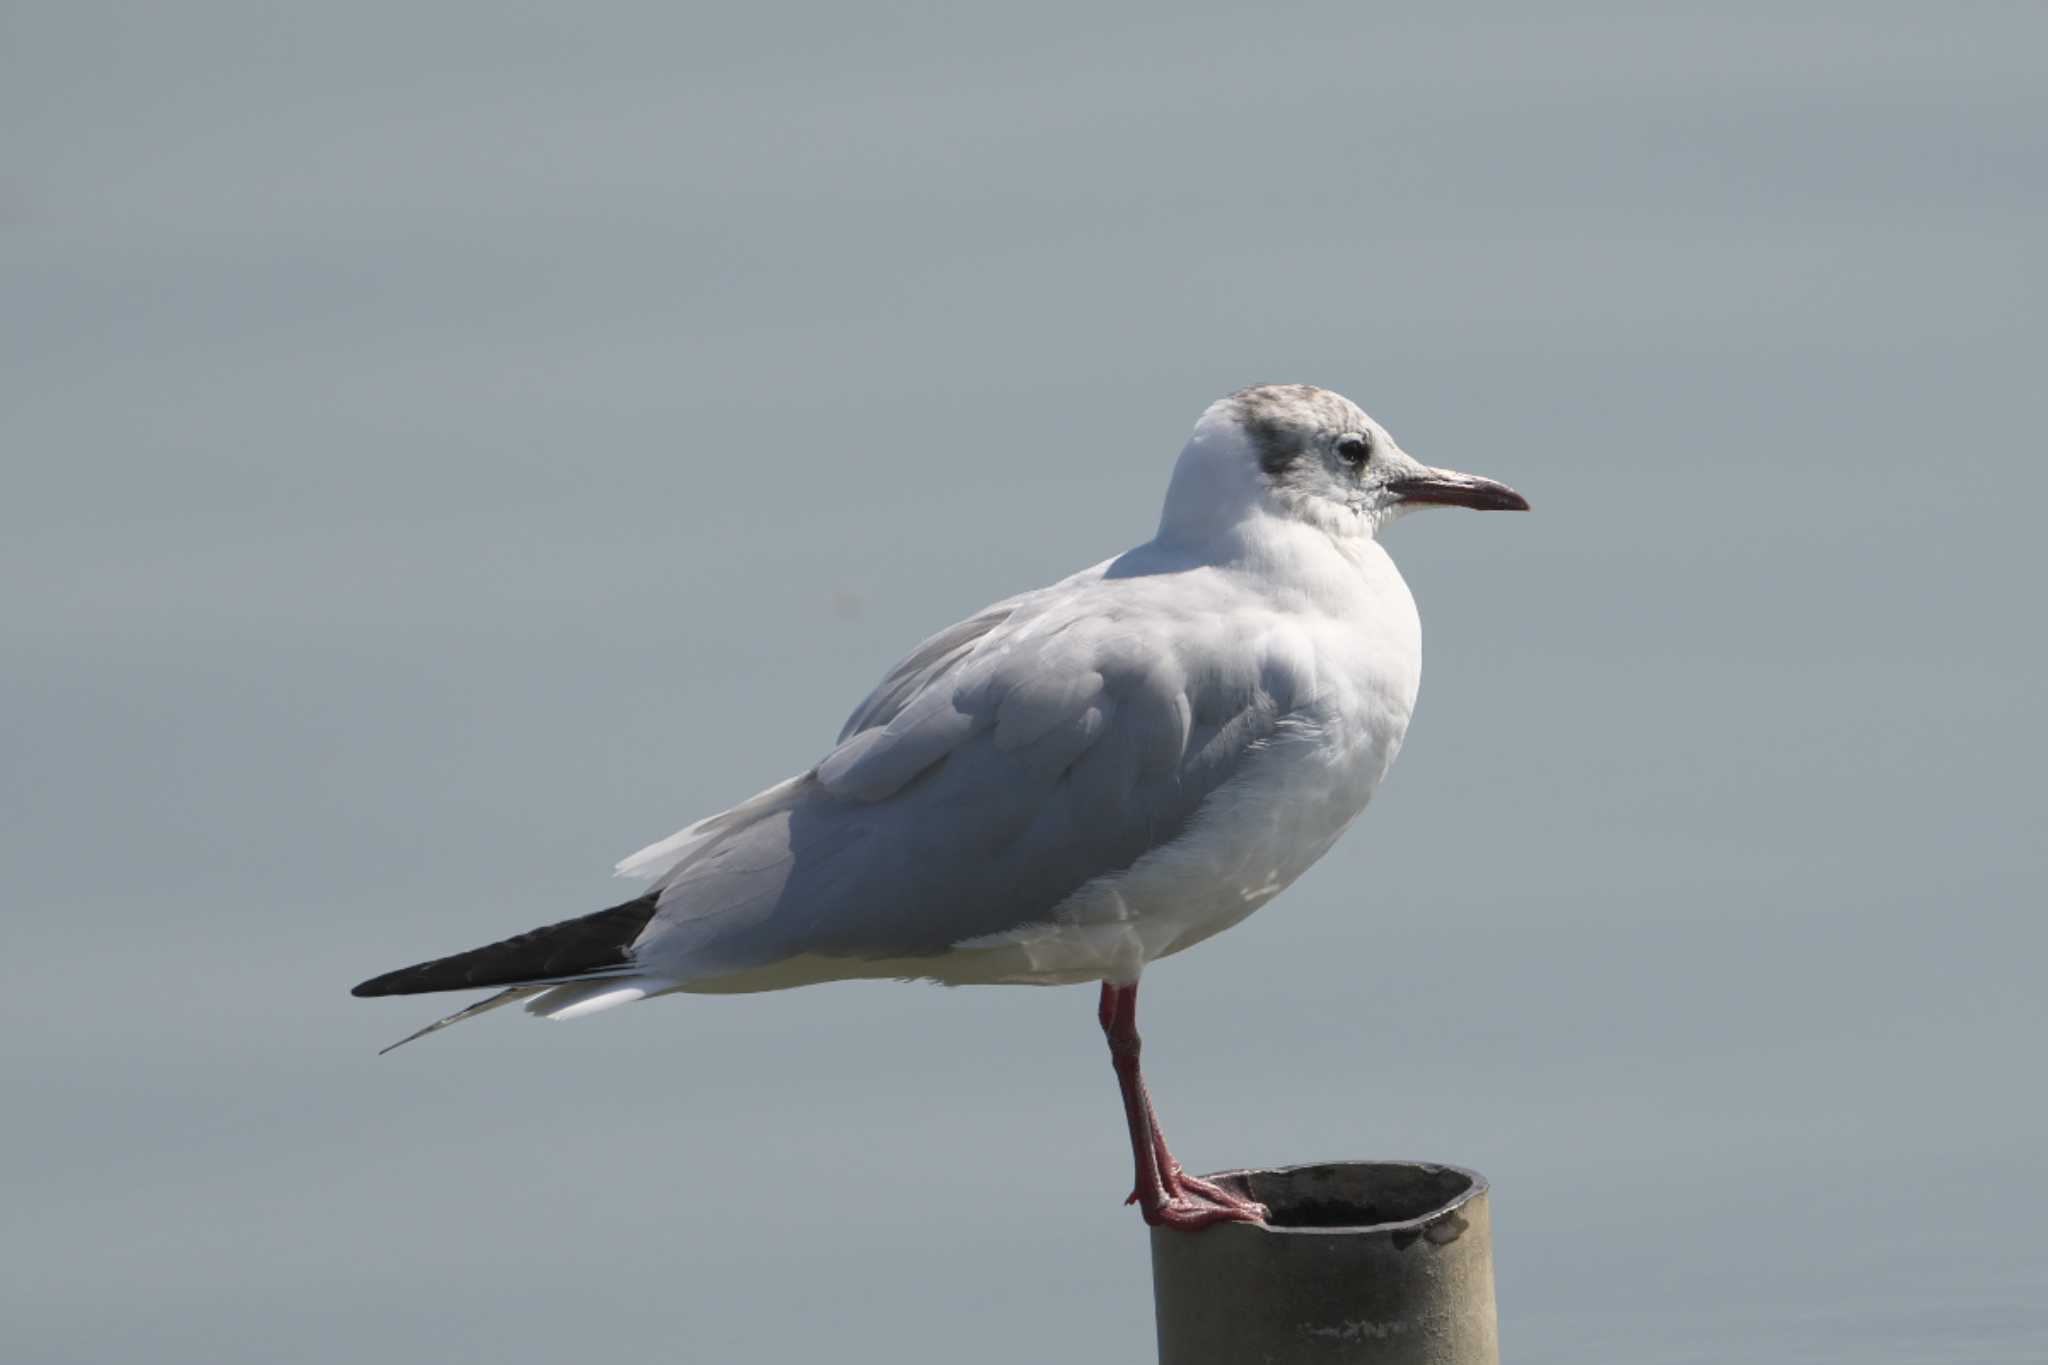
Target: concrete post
1363 1262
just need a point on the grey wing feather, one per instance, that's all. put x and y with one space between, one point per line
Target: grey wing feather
928 662
1004 764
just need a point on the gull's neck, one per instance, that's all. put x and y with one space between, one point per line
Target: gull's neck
1216 484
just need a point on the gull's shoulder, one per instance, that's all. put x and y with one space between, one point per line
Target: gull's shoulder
940 654
1137 590
1287 597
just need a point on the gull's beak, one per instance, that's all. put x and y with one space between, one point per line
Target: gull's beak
1449 488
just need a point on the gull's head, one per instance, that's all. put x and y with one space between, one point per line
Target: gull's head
1307 454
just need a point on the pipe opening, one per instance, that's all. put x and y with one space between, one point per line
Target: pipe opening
1354 1194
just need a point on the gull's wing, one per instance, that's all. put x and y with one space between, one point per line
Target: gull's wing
1050 740
925 665
920 669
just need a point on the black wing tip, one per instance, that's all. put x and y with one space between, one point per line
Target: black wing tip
405 981
590 944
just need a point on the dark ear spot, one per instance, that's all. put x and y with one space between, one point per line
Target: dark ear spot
1262 411
1277 446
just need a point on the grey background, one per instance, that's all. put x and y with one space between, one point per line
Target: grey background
449 447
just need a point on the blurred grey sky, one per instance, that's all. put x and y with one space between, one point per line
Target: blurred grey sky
447 448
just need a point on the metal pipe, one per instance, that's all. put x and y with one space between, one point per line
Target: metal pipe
1362 1262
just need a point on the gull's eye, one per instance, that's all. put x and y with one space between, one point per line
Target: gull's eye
1354 449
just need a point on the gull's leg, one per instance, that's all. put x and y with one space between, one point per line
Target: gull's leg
1118 1026
1164 1193
1171 1174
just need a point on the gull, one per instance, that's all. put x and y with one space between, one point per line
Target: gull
1069 784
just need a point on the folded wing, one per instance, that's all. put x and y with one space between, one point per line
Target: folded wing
1048 741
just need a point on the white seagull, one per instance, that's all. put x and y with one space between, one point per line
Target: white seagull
1069 784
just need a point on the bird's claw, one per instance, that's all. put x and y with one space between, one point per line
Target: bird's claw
1189 1202
1216 1194
1190 1214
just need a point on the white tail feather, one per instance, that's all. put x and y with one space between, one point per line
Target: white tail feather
578 998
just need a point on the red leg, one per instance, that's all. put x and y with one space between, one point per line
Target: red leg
1164 1193
1176 1180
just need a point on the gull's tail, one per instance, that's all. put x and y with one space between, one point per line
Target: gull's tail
562 971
